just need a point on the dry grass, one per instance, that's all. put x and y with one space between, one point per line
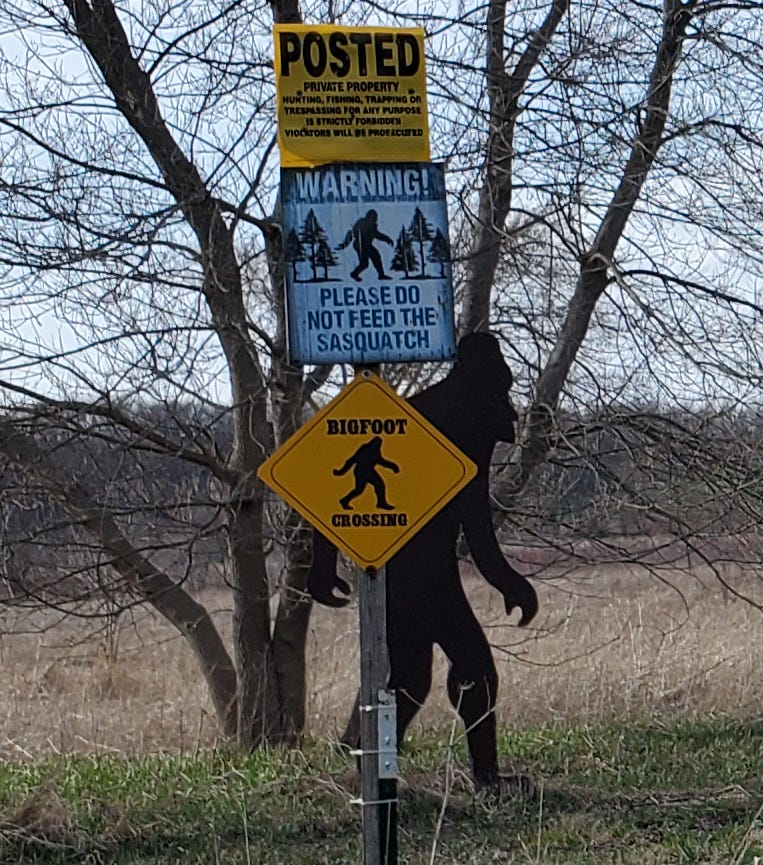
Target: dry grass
130 689
608 644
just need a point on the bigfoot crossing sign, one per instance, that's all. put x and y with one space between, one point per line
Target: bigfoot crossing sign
368 471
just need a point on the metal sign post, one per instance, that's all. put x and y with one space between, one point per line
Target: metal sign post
378 721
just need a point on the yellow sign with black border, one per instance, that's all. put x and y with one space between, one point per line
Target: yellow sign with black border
350 94
368 471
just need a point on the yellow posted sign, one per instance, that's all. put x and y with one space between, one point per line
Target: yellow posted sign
350 94
368 471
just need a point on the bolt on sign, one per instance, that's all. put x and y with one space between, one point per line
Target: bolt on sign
368 271
368 471
355 94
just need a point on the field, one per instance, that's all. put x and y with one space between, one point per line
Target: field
635 704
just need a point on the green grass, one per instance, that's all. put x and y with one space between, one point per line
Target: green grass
660 791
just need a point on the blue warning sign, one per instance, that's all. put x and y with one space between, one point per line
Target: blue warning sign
368 266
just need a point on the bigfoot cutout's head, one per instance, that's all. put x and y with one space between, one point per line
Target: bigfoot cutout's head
487 380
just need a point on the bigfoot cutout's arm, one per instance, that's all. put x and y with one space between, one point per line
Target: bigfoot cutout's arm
323 578
490 561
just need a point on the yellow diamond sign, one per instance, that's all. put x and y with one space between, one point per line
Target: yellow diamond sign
368 471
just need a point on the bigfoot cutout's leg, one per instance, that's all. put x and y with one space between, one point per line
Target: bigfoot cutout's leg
472 683
475 703
410 698
410 663
410 678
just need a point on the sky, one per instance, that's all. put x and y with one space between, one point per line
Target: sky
632 355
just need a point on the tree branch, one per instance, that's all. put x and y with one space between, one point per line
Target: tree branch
504 92
159 443
593 278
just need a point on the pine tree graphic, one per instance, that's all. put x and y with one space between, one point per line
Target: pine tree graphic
420 231
293 252
314 236
324 257
404 259
439 252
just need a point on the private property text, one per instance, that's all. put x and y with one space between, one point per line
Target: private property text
339 87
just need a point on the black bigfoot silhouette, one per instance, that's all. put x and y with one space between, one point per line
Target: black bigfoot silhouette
362 236
365 460
426 603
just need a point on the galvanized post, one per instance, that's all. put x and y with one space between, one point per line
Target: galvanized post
378 741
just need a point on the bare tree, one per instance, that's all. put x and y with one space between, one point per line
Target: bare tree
620 255
128 228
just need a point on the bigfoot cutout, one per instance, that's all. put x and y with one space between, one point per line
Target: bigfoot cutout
426 603
365 460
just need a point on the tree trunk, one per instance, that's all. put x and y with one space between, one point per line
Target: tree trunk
287 388
101 31
504 93
290 631
258 709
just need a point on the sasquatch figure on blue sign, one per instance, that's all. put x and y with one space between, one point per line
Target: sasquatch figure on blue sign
426 603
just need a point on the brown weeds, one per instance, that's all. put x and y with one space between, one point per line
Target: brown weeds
615 642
